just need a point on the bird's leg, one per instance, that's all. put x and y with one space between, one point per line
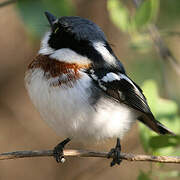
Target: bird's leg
58 151
115 152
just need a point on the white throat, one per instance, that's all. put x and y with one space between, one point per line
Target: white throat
45 49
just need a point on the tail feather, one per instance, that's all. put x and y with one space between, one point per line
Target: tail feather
155 125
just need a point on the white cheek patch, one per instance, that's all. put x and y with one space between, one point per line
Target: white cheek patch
45 49
107 56
70 56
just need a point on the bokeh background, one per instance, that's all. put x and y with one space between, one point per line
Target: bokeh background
130 30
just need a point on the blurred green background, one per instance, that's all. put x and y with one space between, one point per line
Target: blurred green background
133 30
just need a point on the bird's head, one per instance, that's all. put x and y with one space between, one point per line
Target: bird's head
75 39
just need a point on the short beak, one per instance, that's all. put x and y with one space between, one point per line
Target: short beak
51 18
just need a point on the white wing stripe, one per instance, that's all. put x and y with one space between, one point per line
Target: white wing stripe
110 77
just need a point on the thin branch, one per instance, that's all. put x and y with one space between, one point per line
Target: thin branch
87 153
5 3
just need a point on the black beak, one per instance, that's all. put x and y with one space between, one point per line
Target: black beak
51 18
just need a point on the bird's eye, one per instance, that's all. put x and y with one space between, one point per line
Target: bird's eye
56 30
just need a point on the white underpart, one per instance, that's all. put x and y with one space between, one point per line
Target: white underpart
68 112
45 49
69 56
107 56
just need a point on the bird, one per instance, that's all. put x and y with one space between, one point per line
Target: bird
81 88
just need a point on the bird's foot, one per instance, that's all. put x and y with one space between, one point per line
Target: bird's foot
58 151
115 152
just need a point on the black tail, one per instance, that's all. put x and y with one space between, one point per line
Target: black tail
155 125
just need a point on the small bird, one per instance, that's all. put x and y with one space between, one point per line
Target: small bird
81 89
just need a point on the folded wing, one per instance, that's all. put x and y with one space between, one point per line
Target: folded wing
124 90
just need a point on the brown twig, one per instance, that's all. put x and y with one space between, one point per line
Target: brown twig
5 3
87 153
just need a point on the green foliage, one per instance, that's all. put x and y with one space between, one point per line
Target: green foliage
32 13
121 17
119 14
166 111
146 13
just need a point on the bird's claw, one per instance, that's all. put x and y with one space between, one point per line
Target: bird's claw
116 153
58 151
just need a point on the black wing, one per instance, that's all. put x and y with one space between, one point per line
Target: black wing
124 90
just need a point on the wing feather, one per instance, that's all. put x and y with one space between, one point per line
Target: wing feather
124 90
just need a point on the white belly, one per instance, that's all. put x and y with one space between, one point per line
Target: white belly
68 112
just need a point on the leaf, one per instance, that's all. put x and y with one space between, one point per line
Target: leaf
32 13
146 13
119 14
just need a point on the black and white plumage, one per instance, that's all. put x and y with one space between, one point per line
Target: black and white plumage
81 88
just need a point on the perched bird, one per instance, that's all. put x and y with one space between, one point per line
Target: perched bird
81 88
